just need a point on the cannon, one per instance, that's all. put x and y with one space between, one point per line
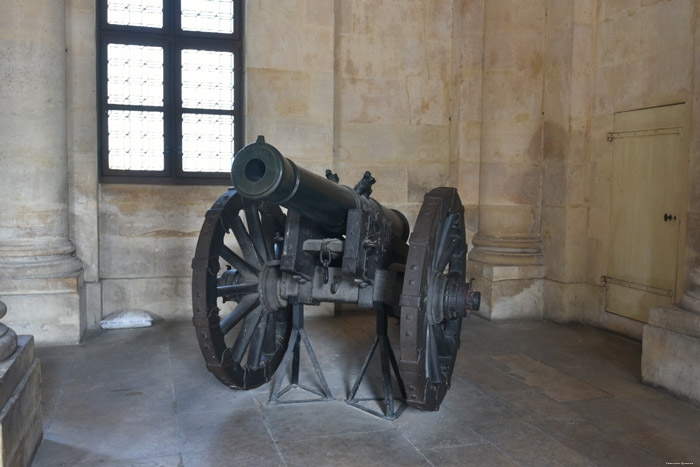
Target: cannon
333 244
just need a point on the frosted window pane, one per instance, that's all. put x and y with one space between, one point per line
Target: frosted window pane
134 75
146 13
207 80
135 140
207 16
207 143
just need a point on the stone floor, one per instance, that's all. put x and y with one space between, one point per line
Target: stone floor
523 393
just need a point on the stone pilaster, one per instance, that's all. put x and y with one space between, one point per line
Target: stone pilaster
671 344
40 276
507 261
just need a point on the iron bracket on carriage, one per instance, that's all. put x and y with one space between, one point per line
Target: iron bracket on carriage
333 244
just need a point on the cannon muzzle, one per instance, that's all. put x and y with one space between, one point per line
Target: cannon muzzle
261 172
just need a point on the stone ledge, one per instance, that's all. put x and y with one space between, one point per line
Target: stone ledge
501 272
676 319
45 285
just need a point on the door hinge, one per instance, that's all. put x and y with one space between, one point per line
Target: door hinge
613 135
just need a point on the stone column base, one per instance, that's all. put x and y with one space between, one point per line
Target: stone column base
670 350
43 288
509 273
508 292
20 398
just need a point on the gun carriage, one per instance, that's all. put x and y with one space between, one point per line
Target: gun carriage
333 244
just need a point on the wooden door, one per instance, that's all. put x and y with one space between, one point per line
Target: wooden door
648 210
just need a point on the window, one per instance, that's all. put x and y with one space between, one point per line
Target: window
169 90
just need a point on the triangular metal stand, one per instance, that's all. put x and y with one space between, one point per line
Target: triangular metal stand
388 362
292 354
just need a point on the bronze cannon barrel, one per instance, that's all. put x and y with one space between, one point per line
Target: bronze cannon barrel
261 172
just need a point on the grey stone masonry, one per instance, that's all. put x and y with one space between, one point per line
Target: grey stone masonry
20 398
671 344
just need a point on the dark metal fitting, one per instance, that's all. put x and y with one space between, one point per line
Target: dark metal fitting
333 177
364 186
325 262
473 300
455 298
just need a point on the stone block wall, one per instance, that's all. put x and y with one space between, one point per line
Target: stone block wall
350 86
603 58
508 100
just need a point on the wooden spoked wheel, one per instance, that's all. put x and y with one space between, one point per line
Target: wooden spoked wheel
241 339
433 299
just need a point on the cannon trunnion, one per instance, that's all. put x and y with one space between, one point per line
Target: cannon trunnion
334 244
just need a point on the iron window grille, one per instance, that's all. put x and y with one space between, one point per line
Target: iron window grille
169 90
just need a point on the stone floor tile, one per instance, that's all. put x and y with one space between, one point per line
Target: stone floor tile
478 455
302 421
56 365
532 404
671 445
601 447
615 415
671 412
226 457
87 441
559 386
473 406
527 445
97 407
611 380
481 373
436 430
351 450
166 461
201 391
238 435
119 379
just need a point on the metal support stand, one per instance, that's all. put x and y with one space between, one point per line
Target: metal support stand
387 358
293 354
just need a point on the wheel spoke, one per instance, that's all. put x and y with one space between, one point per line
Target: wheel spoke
256 343
237 289
441 237
433 358
443 347
255 228
447 253
237 314
238 263
245 242
250 323
270 331
268 233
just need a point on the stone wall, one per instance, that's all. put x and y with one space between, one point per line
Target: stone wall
601 59
352 86
509 100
